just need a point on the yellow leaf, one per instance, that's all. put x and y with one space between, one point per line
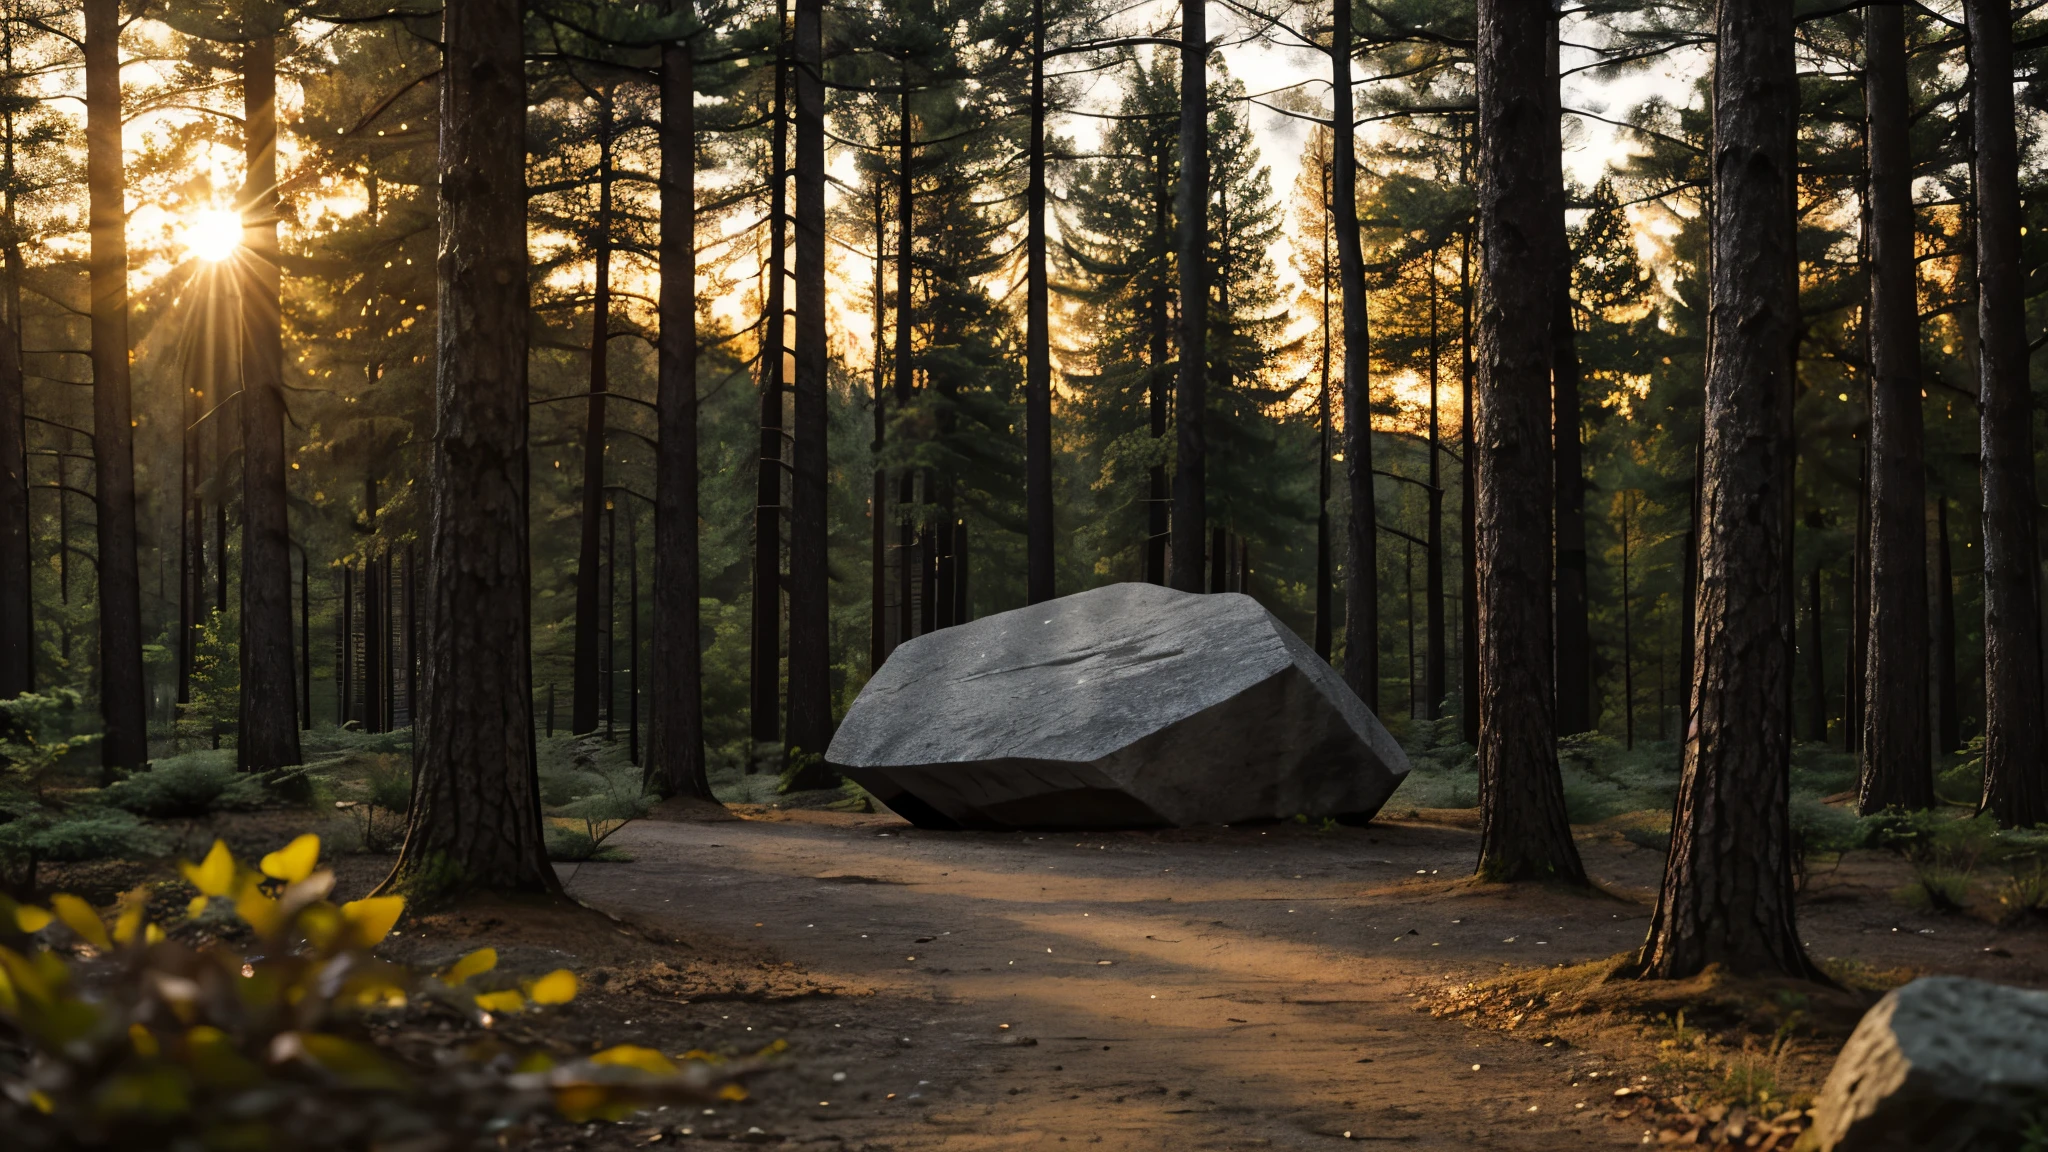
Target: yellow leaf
732 1092
321 923
370 920
143 1040
633 1056
9 1004
78 916
557 987
197 907
30 918
258 909
151 934
42 1102
506 1001
129 923
215 875
475 964
293 862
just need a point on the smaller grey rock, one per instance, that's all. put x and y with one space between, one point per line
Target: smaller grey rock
1944 1064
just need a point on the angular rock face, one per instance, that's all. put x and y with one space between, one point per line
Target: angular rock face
1129 706
1943 1064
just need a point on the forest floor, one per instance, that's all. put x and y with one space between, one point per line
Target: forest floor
1280 986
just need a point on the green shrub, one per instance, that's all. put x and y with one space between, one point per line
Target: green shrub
585 807
32 747
148 1042
188 786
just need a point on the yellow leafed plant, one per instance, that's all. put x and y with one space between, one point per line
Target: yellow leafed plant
205 1047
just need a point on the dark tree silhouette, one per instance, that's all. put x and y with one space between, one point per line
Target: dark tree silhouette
2015 781
810 661
475 819
1038 574
1523 831
1574 644
766 673
588 667
268 728
675 733
1191 390
1896 769
1727 892
1361 556
17 620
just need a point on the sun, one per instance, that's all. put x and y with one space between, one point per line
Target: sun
213 234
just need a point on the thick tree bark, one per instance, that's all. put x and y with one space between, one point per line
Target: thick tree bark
810 605
123 707
1896 769
1523 829
588 663
2015 780
475 821
1038 566
1191 252
766 676
1574 643
675 733
1362 557
268 732
1727 891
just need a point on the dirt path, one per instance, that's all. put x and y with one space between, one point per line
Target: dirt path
1215 989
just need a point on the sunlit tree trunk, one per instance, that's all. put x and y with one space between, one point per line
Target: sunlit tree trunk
1038 565
1190 397
1433 663
123 707
1158 380
1523 830
17 602
1896 769
1361 557
810 605
475 821
1727 890
913 609
1325 626
2015 779
675 734
588 663
268 729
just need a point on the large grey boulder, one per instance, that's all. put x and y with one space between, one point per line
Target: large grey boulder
1129 706
1942 1064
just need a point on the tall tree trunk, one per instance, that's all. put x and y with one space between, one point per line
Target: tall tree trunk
1468 512
1523 829
1158 381
1038 566
1325 626
1948 704
17 598
2015 781
1191 253
911 606
1433 663
1628 646
475 819
1727 891
810 604
1859 600
1362 563
675 734
1896 768
1574 643
588 663
878 500
268 729
123 707
766 696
